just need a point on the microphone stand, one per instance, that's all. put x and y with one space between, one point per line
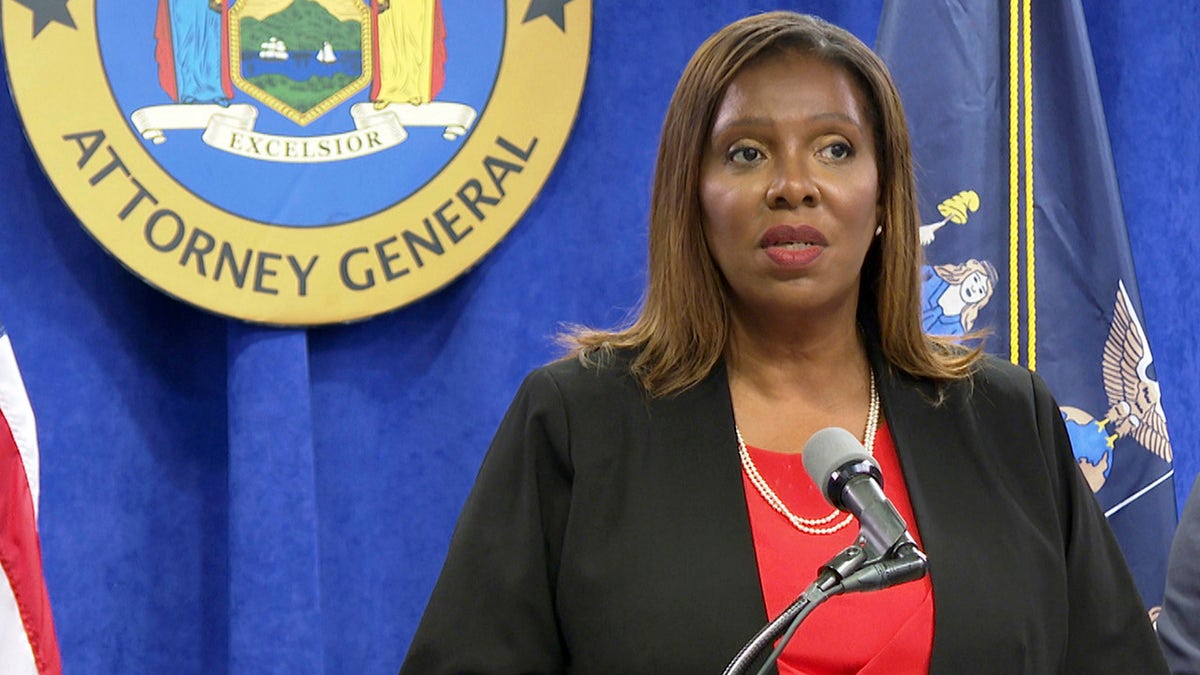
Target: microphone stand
844 573
829 576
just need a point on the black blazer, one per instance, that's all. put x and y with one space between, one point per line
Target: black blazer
1179 622
608 533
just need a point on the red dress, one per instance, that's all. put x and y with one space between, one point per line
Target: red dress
888 631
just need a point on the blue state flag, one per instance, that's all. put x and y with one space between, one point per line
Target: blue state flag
1024 236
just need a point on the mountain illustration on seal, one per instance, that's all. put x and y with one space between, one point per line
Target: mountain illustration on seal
301 59
301 81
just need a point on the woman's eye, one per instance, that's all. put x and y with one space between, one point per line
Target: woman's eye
837 150
745 155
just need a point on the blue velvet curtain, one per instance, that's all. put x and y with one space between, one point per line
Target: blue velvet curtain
219 497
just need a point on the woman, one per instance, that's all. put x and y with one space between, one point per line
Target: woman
953 295
193 66
637 511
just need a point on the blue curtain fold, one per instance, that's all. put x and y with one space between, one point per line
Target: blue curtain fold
275 619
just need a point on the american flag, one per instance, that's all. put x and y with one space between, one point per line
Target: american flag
27 640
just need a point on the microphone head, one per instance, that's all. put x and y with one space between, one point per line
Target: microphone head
833 456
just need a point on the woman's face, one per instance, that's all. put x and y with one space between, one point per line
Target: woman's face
974 288
789 187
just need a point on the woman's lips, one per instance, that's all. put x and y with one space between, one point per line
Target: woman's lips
793 245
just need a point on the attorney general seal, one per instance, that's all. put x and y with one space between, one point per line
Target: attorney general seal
297 162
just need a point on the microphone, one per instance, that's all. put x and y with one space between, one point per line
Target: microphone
885 555
850 480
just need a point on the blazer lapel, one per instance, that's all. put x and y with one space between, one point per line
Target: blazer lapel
936 441
699 423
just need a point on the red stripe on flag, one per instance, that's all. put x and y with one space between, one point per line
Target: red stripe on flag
164 51
375 83
438 78
21 554
226 78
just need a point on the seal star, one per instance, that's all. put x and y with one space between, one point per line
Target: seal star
47 11
552 9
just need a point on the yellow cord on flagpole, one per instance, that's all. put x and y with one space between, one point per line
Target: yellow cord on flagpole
1030 251
1014 233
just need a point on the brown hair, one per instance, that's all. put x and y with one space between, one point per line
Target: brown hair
683 327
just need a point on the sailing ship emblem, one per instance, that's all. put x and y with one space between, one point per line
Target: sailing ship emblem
326 54
283 55
273 49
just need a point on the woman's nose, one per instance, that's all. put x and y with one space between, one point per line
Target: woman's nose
792 185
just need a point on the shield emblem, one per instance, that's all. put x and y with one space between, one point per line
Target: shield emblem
301 58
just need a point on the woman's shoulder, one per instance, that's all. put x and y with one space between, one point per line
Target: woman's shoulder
989 380
601 373
994 371
998 381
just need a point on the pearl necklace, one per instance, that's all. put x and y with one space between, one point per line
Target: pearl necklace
809 525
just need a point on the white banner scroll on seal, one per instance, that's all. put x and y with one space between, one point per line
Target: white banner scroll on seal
231 129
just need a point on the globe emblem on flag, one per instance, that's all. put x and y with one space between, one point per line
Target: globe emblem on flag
1135 406
300 162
